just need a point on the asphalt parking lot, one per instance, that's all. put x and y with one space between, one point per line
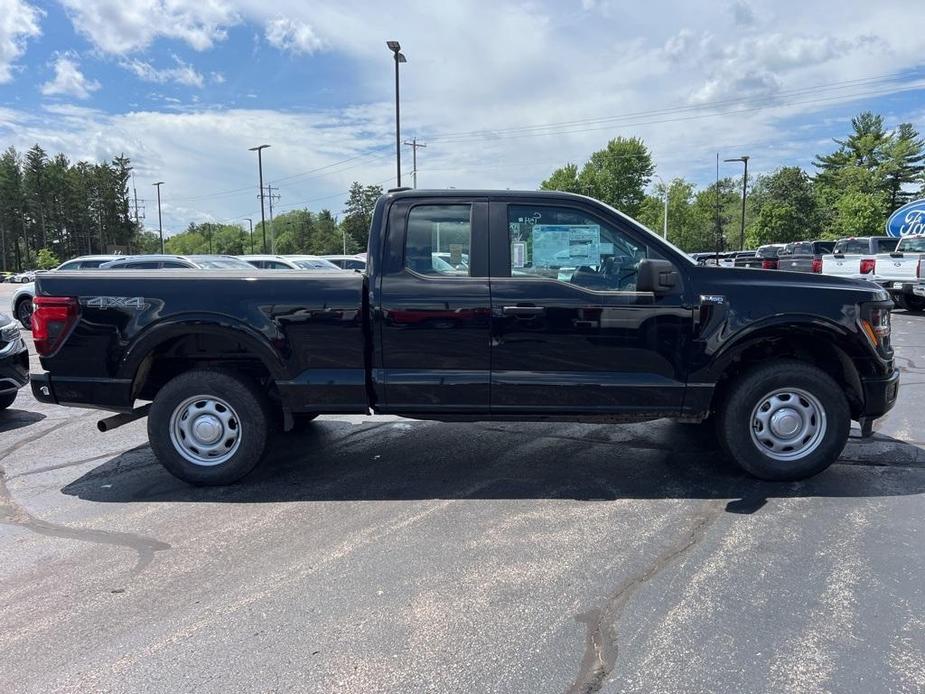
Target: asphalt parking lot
390 555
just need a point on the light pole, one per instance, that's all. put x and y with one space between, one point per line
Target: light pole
395 47
744 159
160 225
665 220
263 220
251 222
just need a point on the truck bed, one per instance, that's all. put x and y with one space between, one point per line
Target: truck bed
306 327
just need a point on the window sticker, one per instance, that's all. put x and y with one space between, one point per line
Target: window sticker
518 254
570 245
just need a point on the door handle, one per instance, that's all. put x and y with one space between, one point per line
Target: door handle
523 311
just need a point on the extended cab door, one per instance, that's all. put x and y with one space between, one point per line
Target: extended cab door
570 333
434 308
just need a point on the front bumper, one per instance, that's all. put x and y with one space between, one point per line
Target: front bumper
14 370
880 395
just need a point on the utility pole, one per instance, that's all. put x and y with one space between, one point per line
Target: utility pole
395 47
744 159
263 220
251 222
160 223
414 159
271 196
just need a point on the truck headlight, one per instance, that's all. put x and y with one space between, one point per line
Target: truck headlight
875 320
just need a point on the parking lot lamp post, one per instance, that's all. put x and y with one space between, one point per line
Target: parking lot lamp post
263 220
744 159
395 47
160 225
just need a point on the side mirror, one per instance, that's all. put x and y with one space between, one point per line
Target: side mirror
658 276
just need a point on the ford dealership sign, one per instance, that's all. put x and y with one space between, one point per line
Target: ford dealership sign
908 220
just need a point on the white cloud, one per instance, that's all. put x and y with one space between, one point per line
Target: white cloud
292 37
69 80
183 73
119 27
19 22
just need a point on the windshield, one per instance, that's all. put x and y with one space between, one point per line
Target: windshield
315 264
222 264
912 244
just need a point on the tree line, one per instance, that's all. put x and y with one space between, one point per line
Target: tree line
52 208
851 192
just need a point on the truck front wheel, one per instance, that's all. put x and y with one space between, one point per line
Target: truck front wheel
784 420
209 427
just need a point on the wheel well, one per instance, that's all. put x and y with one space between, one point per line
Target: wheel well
196 351
818 350
21 299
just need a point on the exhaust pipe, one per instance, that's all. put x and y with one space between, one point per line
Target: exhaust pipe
118 420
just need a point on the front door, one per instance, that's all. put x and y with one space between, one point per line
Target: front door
434 313
570 333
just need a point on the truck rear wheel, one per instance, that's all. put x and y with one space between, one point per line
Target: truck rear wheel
784 420
209 427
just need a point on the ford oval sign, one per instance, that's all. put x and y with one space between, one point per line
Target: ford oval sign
908 220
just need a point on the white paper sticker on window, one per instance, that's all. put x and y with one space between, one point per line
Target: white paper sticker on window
518 254
566 245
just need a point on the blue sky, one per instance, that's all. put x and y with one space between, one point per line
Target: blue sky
501 92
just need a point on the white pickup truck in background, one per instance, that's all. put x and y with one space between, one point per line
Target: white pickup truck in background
857 257
899 272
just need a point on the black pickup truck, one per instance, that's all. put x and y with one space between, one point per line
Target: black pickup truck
475 305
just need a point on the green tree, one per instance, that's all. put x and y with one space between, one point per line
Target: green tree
686 228
358 215
785 208
565 178
717 211
46 259
12 210
902 164
851 202
617 175
863 147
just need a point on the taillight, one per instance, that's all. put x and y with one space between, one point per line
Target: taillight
768 264
53 319
817 264
868 266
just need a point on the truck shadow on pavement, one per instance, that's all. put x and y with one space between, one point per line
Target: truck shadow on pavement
405 460
13 419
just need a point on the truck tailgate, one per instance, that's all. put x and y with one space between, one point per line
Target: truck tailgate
843 265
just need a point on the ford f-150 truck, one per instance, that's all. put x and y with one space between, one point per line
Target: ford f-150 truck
856 257
899 272
475 305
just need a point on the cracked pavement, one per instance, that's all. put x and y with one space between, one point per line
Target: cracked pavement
390 555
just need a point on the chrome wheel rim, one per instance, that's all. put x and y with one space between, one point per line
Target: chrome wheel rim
205 430
788 424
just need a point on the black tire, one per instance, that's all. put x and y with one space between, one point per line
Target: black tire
248 424
794 379
914 304
24 313
8 399
899 300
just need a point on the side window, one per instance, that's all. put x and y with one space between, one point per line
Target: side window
276 265
73 265
437 240
568 245
90 264
149 265
354 265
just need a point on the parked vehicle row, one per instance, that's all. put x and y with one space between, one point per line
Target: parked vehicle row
14 361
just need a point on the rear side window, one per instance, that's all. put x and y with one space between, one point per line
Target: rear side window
852 246
438 240
148 265
821 247
887 245
73 265
275 265
354 265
